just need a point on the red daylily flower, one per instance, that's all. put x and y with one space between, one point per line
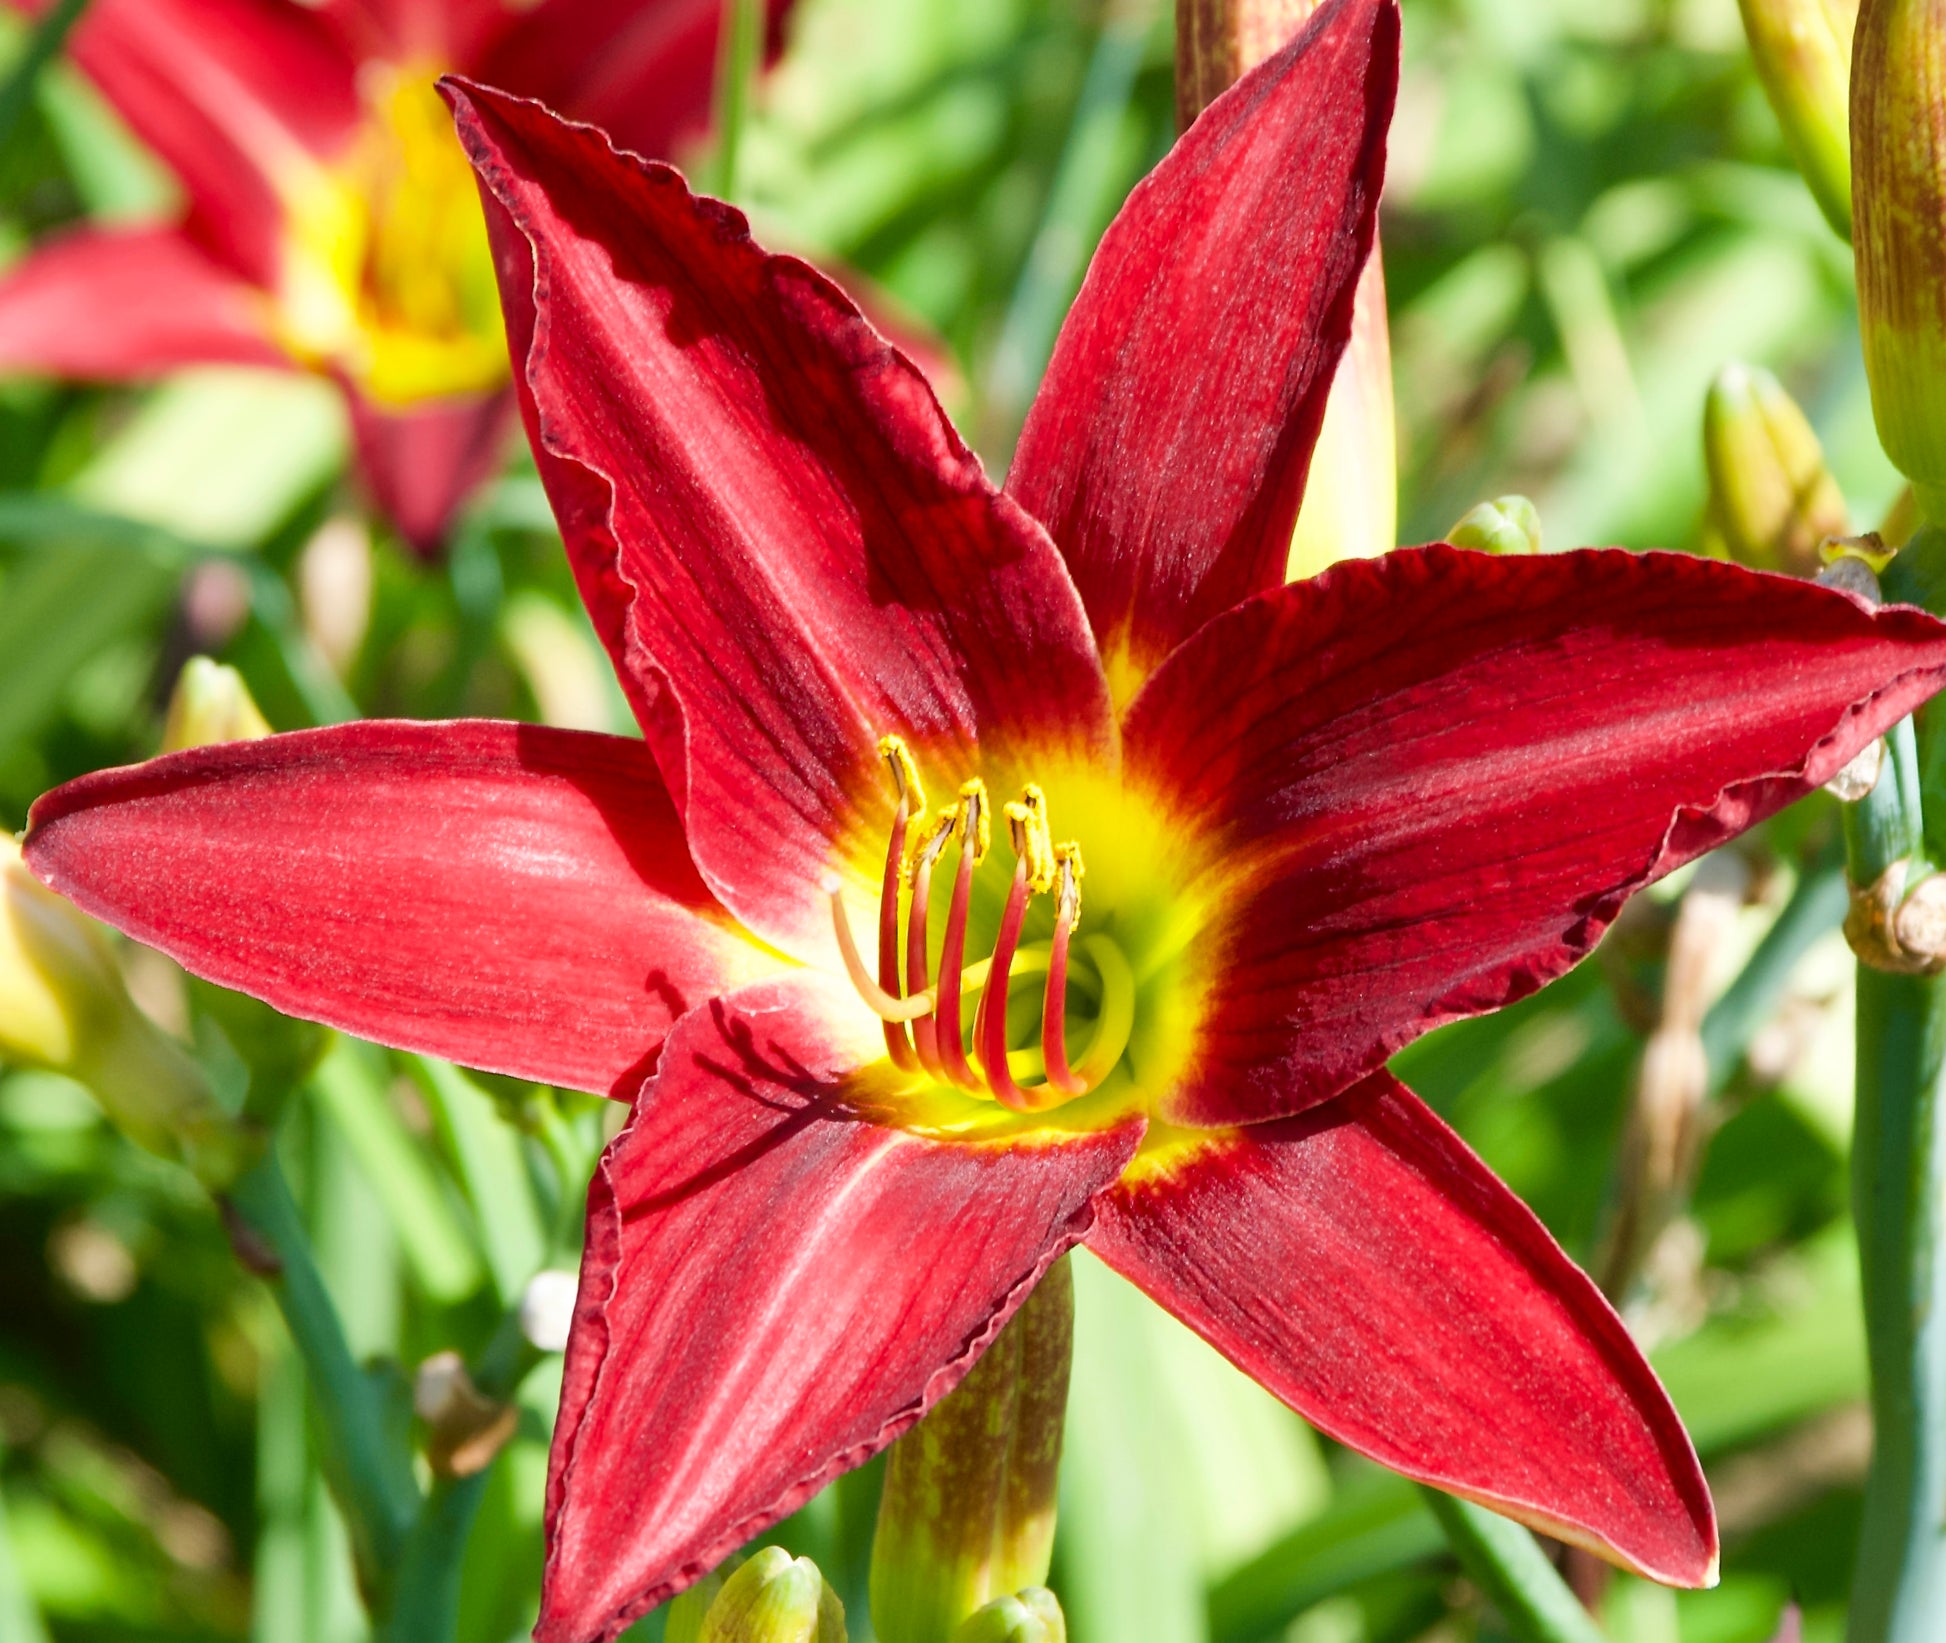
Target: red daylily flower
1318 819
332 222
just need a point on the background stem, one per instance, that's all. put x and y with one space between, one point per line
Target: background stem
1513 1573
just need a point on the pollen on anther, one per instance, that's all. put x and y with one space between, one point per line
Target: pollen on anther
905 773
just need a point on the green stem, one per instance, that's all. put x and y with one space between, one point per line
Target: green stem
426 1593
43 46
1898 1182
373 1485
1512 1573
736 70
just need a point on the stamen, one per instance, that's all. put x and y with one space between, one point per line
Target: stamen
1054 1006
975 834
918 935
1028 824
889 1007
912 800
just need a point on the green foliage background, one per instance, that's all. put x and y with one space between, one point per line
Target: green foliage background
1590 210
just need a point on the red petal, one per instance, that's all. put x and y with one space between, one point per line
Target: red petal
422 462
238 96
773 1288
117 304
507 896
1367 1268
1435 777
440 34
1167 450
778 522
643 73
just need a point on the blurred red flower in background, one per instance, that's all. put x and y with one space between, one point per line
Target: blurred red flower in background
332 222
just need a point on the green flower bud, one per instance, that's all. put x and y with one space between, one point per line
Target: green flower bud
210 704
967 1515
65 1007
774 1598
1802 49
1507 524
1772 500
1031 1616
1898 148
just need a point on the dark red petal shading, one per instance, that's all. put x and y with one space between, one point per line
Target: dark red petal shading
421 462
1167 450
779 525
773 1288
118 304
644 73
1366 1267
1437 775
233 94
508 896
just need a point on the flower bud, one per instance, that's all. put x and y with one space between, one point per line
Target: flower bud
967 1515
1032 1616
1772 500
210 704
1507 524
1898 147
1802 49
65 1007
774 1598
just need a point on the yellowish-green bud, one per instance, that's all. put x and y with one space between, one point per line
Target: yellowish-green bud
1802 49
774 1598
64 1006
967 1515
1032 1616
210 704
1898 152
1507 524
1772 500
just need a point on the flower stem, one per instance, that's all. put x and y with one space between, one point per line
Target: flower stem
1512 1573
372 1482
1898 1188
737 56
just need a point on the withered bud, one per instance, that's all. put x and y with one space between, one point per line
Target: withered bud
1896 929
1771 496
464 1430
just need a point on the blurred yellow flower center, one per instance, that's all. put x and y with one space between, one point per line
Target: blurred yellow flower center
387 273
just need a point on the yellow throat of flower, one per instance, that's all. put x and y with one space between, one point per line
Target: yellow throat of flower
387 273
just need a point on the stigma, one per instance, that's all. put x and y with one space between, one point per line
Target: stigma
924 1014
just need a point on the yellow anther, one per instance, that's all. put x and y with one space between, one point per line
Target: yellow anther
905 773
1072 869
927 842
1033 843
977 825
